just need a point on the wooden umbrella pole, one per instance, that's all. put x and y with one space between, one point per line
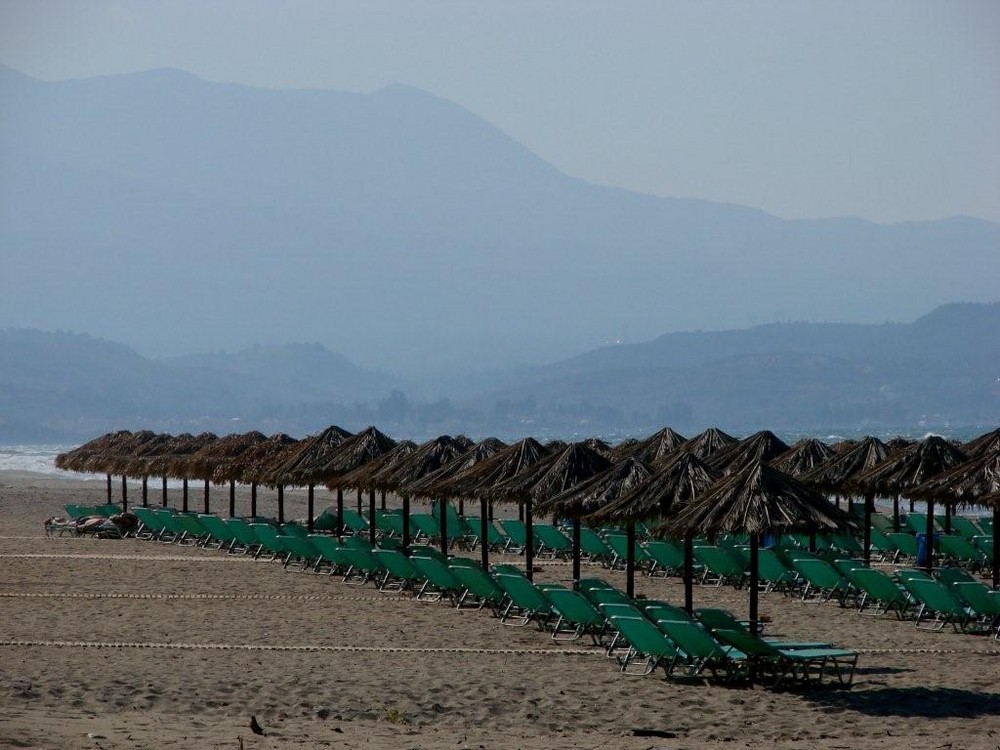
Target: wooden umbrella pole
996 545
406 524
371 518
281 503
232 498
443 521
163 499
576 550
253 499
630 559
145 492
207 491
529 547
869 503
124 493
947 518
754 573
895 513
360 501
929 541
109 489
340 512
484 536
184 497
689 573
310 506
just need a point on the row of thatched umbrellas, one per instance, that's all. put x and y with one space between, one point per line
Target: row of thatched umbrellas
710 484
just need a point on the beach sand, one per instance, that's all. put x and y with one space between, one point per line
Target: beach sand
380 673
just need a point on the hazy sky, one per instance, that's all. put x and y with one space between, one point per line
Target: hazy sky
885 110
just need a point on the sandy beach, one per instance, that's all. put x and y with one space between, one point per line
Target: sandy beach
203 641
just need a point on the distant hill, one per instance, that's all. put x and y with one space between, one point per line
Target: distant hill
176 215
941 373
942 370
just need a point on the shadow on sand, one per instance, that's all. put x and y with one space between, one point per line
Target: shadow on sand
911 702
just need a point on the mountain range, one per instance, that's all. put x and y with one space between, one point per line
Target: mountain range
941 373
176 215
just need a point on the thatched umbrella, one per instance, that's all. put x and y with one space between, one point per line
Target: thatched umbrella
988 442
576 463
803 457
762 446
479 479
367 477
838 475
169 460
133 455
708 443
976 482
907 470
417 464
256 464
203 463
593 494
356 451
657 449
898 443
81 458
302 464
756 501
679 482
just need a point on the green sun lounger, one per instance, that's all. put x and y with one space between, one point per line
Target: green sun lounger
699 651
439 582
807 666
524 602
667 557
645 645
878 592
479 588
721 566
551 541
937 605
575 616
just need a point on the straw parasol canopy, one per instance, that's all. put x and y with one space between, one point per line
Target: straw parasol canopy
82 458
577 463
357 450
843 446
368 475
911 467
255 464
708 443
438 483
602 489
803 457
681 480
762 446
988 442
597 445
758 500
303 463
658 448
158 457
838 474
479 479
202 463
898 443
396 474
970 483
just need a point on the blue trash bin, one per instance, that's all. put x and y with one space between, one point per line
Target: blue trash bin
922 551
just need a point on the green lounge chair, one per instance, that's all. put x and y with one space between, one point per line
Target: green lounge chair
882 547
667 557
268 536
244 535
194 528
551 541
953 548
478 587
329 550
291 528
822 581
773 573
804 665
301 549
574 615
221 533
983 602
424 527
423 550
361 566
937 605
150 524
594 547
916 523
646 645
517 535
439 581
984 544
965 527
721 567
698 651
879 592
175 531
619 545
354 522
400 572
719 619
524 602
